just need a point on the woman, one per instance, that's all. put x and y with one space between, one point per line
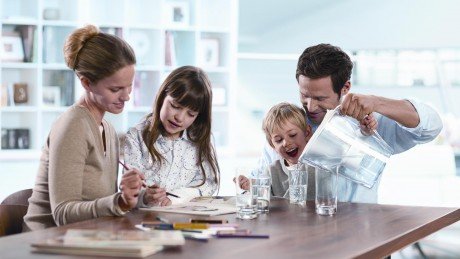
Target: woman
77 177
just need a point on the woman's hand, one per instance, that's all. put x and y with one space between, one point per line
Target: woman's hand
155 195
130 186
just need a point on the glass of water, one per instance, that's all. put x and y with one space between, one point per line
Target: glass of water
246 200
261 188
298 179
326 191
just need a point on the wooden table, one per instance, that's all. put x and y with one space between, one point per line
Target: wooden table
357 230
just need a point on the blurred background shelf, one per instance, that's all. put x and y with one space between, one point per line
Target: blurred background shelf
51 87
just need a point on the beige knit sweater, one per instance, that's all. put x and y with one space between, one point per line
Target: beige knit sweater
76 181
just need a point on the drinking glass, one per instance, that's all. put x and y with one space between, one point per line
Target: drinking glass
298 179
246 201
262 188
326 191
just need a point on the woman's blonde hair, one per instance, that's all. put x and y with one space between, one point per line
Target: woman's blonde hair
96 55
281 113
190 87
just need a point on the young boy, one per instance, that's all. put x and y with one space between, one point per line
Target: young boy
287 132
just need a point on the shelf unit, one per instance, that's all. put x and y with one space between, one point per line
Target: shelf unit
52 87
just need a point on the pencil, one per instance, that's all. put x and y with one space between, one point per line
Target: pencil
241 236
172 194
234 232
209 221
190 226
127 168
177 226
167 193
124 166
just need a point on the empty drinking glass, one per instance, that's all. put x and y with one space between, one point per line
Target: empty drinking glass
326 191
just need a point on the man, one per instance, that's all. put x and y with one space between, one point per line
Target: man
323 75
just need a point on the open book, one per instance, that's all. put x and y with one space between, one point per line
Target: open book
205 206
127 243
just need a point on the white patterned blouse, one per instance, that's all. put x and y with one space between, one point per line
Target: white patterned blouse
179 173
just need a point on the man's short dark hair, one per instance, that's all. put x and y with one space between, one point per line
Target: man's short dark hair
325 60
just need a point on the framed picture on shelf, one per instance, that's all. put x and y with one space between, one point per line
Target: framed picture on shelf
12 49
177 13
52 96
209 52
22 140
20 93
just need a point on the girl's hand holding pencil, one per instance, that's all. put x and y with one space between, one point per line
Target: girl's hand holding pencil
155 195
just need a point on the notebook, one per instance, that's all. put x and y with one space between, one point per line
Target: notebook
204 206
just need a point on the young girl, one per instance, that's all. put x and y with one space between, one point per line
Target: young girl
172 145
77 177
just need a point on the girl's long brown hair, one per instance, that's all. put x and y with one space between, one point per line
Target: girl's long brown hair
190 87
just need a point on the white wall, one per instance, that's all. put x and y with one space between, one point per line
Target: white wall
16 176
359 24
352 25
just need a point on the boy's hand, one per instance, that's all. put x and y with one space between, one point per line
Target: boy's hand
368 125
243 181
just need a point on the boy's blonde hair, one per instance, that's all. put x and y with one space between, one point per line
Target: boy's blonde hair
281 113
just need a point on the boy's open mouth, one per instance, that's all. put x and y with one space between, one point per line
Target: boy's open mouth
292 152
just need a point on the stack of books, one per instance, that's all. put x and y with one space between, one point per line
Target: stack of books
124 243
15 138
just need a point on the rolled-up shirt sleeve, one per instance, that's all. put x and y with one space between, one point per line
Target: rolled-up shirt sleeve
402 138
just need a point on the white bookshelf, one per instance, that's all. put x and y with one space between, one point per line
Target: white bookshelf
143 23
